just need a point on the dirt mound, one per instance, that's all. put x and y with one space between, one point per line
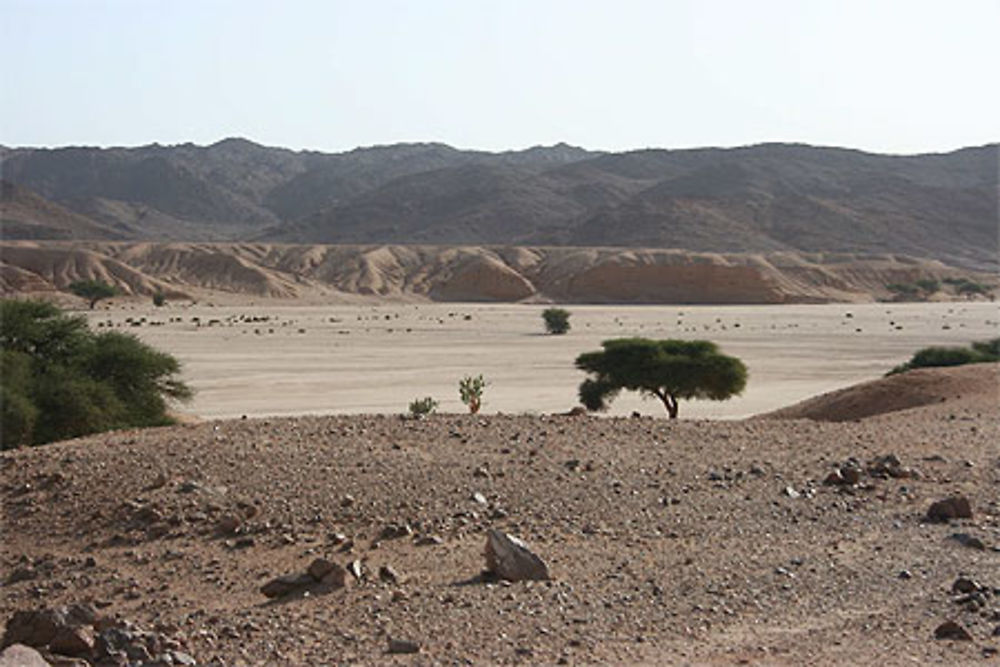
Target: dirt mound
468 273
975 384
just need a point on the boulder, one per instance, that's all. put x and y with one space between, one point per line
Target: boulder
509 558
74 641
955 507
19 655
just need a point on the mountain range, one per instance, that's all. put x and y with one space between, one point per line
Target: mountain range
763 198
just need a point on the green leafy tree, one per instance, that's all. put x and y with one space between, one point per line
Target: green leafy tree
670 370
556 320
92 290
58 379
470 390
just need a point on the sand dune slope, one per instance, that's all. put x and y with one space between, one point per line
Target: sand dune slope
971 385
465 273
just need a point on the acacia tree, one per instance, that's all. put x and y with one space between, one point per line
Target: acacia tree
670 370
58 379
92 290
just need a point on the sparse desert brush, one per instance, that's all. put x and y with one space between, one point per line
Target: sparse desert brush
421 407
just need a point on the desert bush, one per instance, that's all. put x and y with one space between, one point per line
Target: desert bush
929 357
667 369
556 320
159 299
928 285
470 390
421 407
92 290
60 380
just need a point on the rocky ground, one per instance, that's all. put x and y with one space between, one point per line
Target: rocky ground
686 542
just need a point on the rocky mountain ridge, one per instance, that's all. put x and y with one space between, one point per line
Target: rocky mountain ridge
764 198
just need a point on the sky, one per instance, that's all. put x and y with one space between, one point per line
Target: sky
906 76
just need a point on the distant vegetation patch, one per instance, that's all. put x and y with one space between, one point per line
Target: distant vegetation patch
59 379
924 288
979 352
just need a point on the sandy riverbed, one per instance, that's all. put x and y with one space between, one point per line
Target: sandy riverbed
376 359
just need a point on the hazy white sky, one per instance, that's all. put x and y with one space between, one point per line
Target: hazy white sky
900 76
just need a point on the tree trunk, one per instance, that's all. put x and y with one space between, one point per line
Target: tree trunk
669 402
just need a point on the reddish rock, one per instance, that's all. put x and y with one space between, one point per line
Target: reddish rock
78 641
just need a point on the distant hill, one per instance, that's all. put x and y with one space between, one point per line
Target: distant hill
765 198
465 273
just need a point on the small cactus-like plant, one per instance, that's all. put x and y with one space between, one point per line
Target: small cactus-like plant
470 390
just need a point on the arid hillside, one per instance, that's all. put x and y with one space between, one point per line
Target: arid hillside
758 199
467 273
360 539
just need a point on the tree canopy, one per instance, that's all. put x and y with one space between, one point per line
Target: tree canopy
58 379
92 290
670 370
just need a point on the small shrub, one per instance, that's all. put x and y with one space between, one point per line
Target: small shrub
421 407
930 357
159 299
470 390
556 320
928 285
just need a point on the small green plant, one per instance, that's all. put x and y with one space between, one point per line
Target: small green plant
556 320
902 291
928 285
977 353
421 407
159 299
470 390
92 290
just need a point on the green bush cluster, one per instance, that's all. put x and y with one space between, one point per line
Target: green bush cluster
978 352
556 320
59 380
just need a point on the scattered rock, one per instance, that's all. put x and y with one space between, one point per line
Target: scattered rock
509 558
355 569
905 574
479 498
388 574
286 584
965 585
791 492
967 540
403 646
228 524
955 507
321 567
22 573
952 630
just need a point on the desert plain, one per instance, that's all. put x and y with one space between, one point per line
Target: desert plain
279 358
